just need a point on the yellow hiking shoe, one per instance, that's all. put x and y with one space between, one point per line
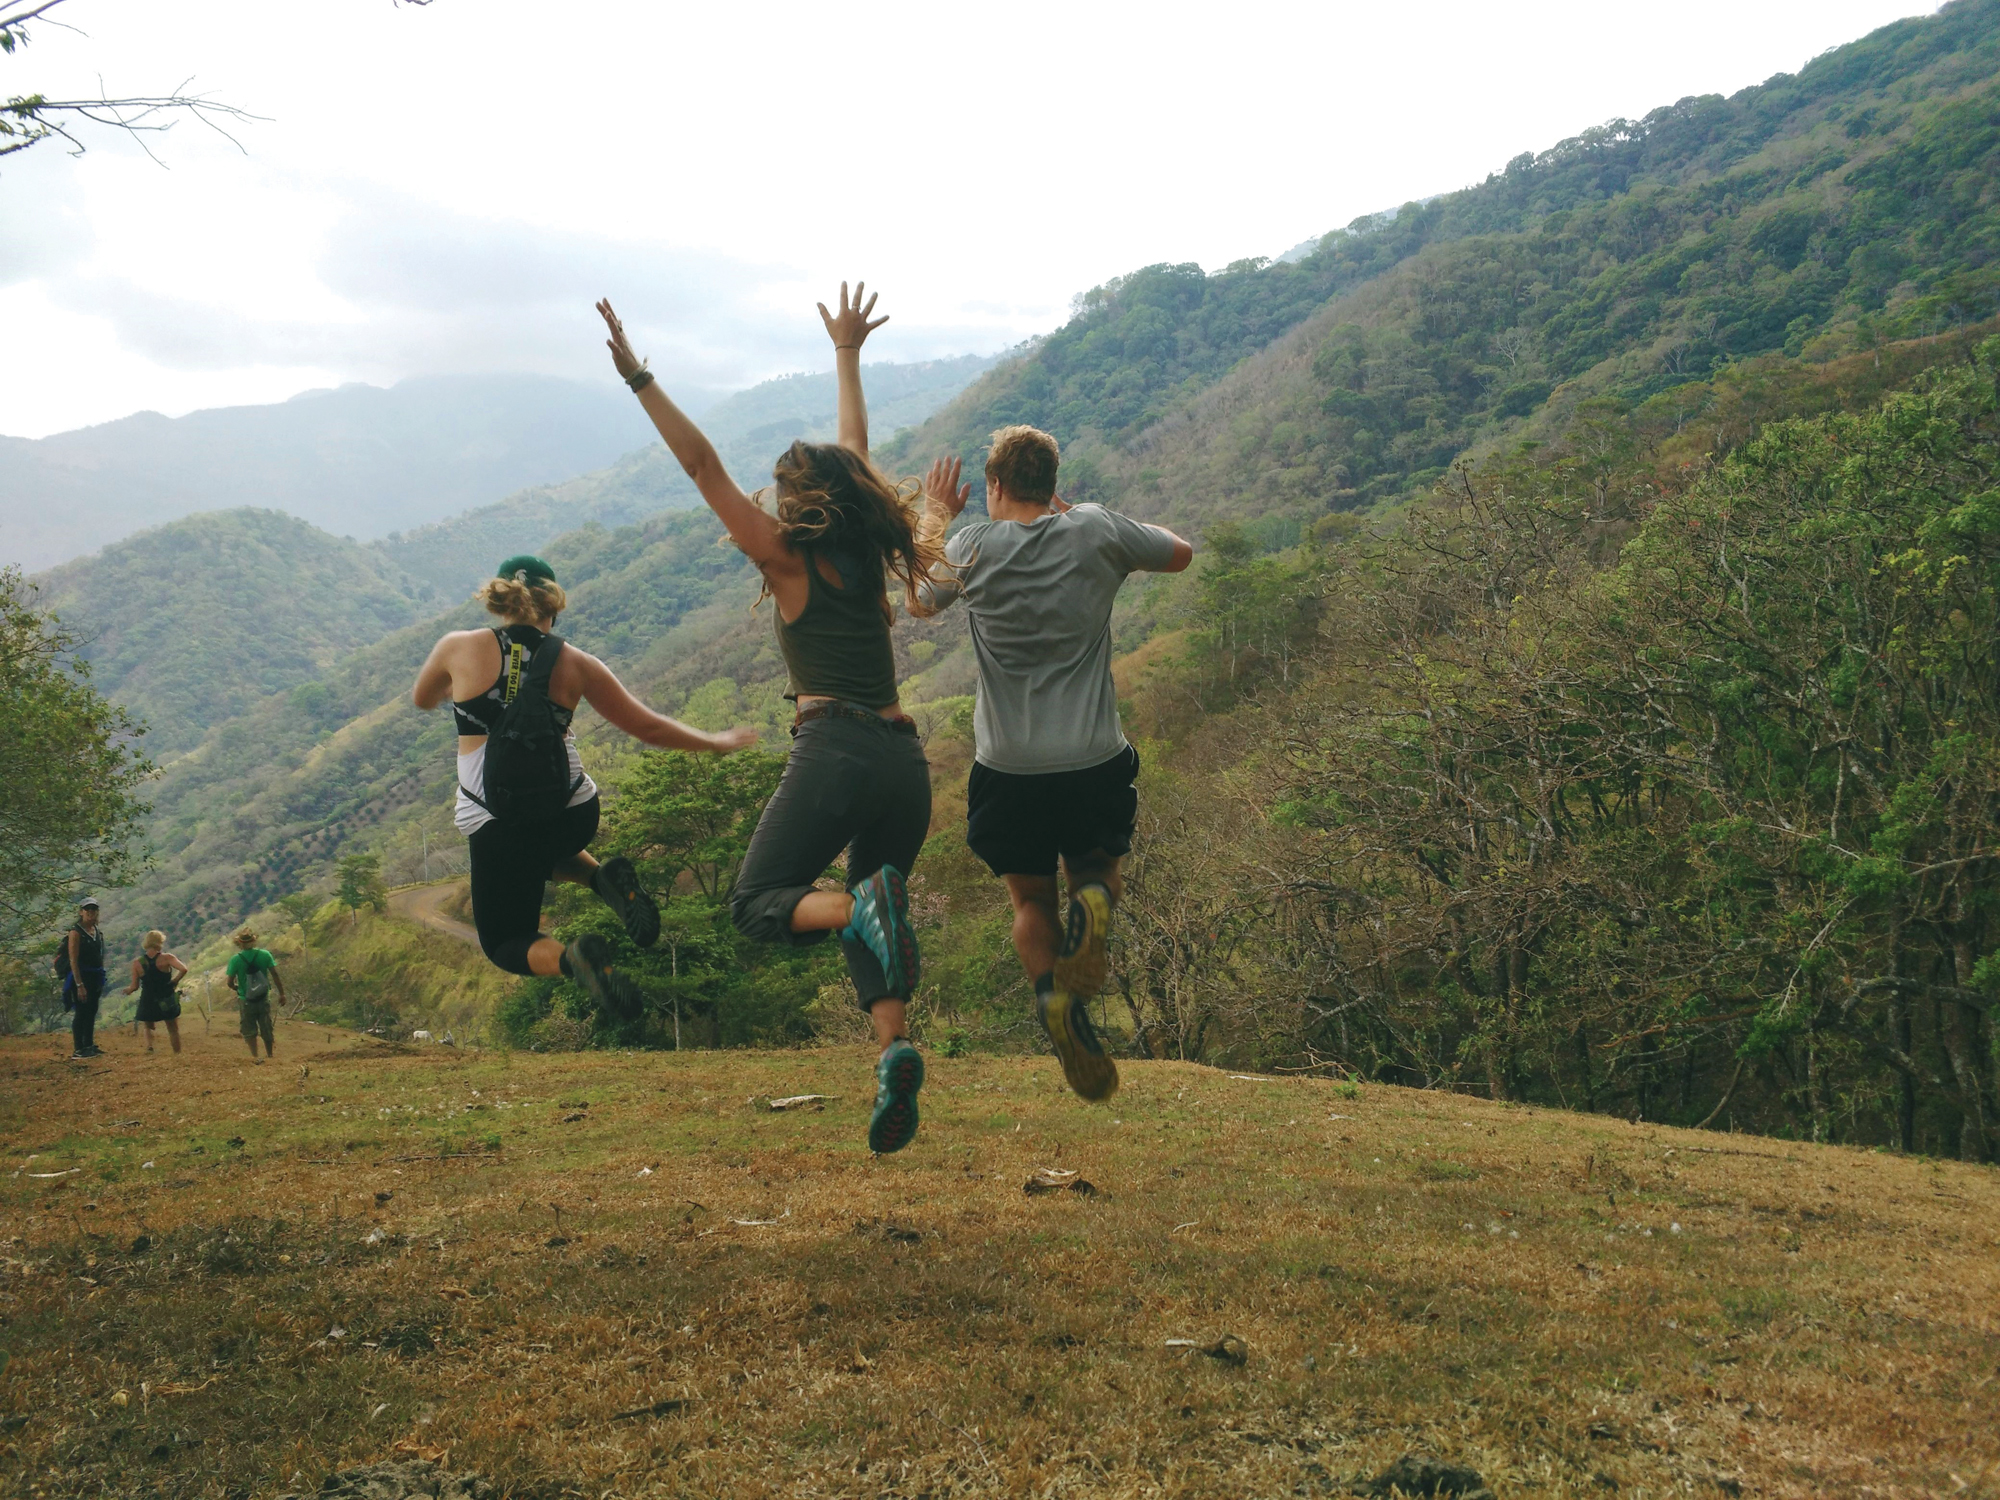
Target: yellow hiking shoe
1082 966
1066 1018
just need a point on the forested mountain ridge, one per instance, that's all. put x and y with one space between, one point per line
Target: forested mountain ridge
192 623
1813 214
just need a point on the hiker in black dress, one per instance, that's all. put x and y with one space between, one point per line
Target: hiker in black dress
856 779
519 843
155 972
83 981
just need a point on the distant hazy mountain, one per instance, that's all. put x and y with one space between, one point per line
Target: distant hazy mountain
749 428
360 461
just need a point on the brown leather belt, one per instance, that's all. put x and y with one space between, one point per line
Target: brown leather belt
837 708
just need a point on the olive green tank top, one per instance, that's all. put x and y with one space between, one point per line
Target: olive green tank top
839 647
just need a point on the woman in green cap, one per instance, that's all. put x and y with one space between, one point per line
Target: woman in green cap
839 531
526 805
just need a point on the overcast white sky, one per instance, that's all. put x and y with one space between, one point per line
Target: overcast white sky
445 189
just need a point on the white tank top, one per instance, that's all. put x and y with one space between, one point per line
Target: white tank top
469 816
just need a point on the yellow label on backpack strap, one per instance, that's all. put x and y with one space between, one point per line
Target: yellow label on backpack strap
514 656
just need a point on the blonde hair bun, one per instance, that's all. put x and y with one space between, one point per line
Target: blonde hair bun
523 599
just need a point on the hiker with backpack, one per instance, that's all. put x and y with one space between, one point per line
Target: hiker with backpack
155 975
79 964
525 803
253 971
857 779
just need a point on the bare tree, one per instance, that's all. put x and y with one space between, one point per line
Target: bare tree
29 119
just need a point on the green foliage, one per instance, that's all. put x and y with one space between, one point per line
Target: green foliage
373 970
72 811
1581 833
191 624
682 814
359 882
685 821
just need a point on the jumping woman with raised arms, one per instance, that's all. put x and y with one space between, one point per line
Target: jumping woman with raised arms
857 778
524 802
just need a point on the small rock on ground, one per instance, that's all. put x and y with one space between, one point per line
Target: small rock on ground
416 1479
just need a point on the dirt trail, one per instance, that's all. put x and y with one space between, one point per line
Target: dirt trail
421 904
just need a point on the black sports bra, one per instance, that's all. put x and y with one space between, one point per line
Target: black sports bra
481 715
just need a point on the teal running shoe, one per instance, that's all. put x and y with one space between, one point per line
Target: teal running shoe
881 922
900 1074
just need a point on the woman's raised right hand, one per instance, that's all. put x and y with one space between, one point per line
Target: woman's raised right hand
728 741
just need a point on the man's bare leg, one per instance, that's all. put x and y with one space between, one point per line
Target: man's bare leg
1037 922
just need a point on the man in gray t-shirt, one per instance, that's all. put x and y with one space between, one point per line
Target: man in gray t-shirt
1052 776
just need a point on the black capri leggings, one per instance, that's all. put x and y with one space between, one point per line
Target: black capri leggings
511 865
849 784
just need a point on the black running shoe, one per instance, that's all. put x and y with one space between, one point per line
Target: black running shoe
1083 965
1066 1018
617 884
590 966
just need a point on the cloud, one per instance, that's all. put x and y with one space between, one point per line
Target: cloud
56 234
393 287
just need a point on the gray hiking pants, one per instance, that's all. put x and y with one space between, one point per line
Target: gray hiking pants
849 784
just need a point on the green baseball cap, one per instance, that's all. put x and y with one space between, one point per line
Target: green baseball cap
524 567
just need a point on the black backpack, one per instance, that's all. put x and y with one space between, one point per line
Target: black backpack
62 958
527 758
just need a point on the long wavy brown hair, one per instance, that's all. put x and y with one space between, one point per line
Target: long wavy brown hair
829 496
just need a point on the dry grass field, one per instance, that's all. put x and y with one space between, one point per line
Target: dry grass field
609 1275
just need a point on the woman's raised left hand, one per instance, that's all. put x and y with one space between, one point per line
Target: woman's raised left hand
849 328
627 362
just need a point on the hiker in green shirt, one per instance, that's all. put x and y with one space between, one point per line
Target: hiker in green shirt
253 971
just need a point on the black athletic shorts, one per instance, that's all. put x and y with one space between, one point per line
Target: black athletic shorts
1020 824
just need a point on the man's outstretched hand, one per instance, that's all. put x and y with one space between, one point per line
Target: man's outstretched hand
627 362
849 328
942 489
